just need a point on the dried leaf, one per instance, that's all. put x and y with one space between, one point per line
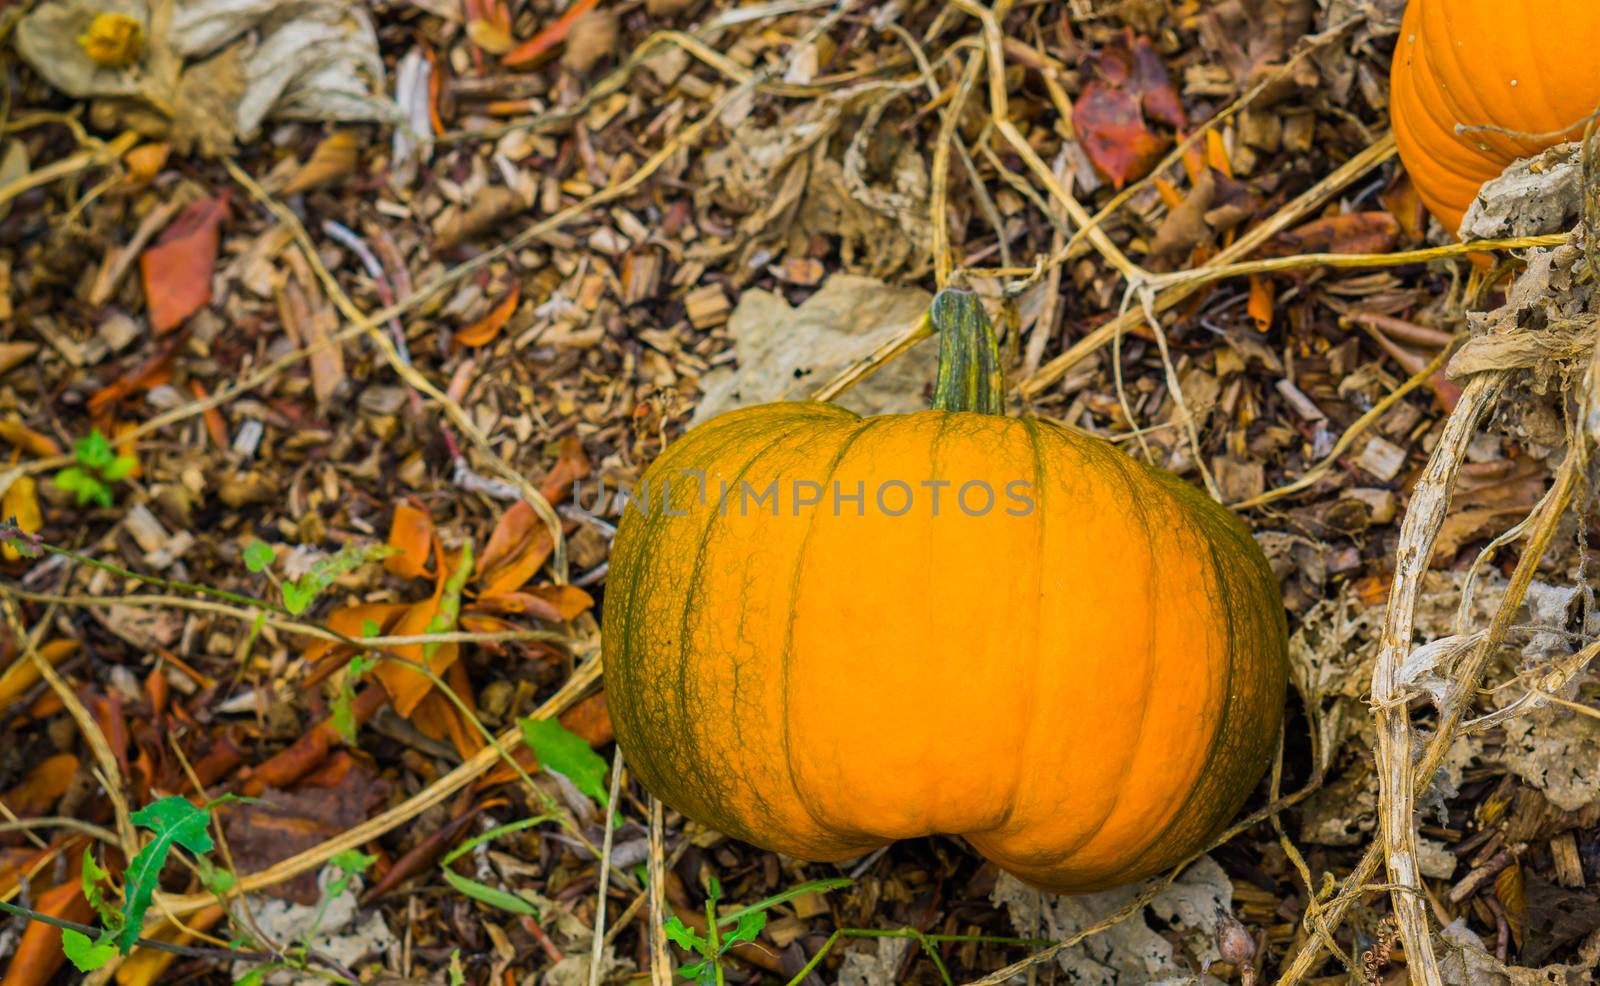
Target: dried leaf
1185 226
1351 232
539 47
20 506
30 441
525 542
1263 295
1113 132
350 622
22 675
489 25
405 686
38 954
411 535
1131 84
1508 887
593 37
177 270
484 331
553 603
336 155
42 786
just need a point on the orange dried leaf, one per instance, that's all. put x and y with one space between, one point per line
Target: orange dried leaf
335 156
1217 153
28 440
145 162
38 955
1170 196
216 427
510 533
541 45
1263 295
1114 134
1403 202
520 542
411 535
406 687
153 372
349 621
177 270
489 25
554 603
146 965
45 783
21 506
23 674
483 332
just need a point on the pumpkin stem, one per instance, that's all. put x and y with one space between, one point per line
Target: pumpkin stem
970 378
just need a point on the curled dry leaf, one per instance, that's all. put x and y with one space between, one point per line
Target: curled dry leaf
1350 232
541 45
411 535
1263 295
489 25
1185 226
484 331
177 270
45 783
1131 85
20 506
593 37
553 603
335 156
28 440
22 674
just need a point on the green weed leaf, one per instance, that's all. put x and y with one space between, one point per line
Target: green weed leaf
493 896
350 863
216 879
93 451
302 592
175 822
450 603
92 877
343 711
567 754
685 938
258 556
119 468
87 955
748 927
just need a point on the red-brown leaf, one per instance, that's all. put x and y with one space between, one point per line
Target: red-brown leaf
1351 232
177 270
1114 133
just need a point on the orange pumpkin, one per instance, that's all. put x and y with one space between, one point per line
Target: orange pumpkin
1075 661
1519 65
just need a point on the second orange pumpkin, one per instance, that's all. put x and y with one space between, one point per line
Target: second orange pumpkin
1523 66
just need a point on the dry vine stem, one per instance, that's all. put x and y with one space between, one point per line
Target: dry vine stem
1396 784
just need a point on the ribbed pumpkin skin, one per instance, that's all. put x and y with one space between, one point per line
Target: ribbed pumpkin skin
1087 692
1525 65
